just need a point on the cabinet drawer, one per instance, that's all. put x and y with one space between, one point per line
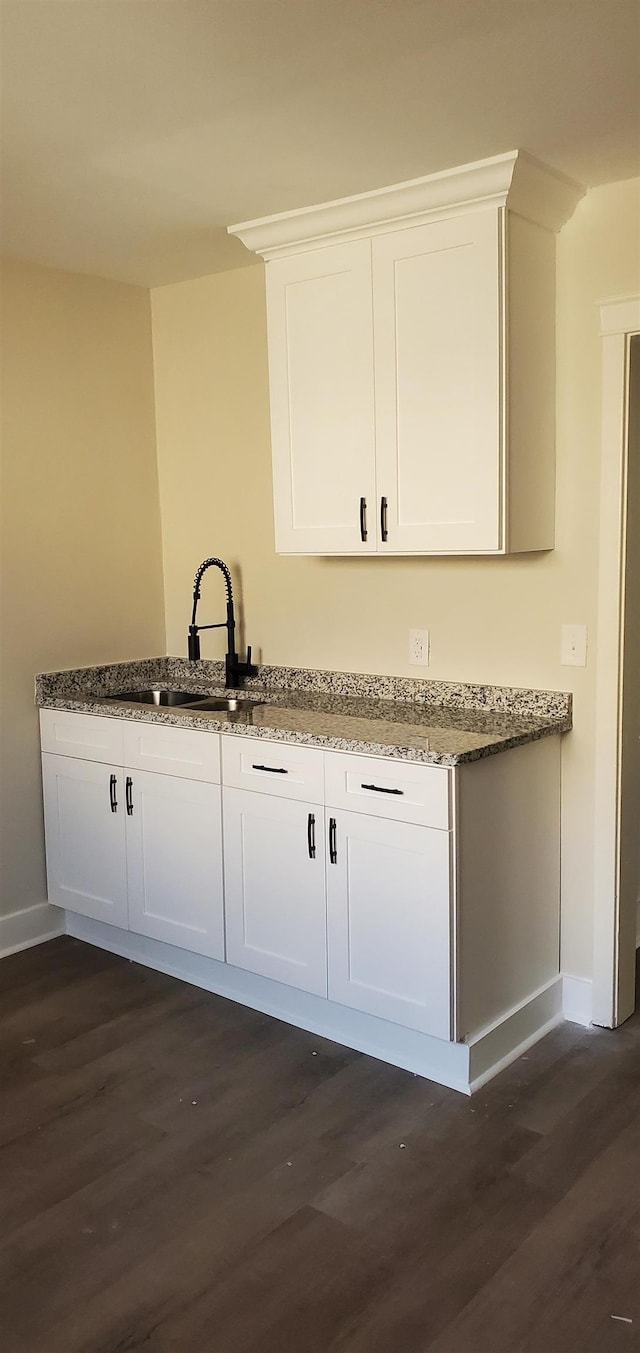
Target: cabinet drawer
88 736
280 768
391 789
185 752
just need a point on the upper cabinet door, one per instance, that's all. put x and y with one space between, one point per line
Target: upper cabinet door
438 360
322 404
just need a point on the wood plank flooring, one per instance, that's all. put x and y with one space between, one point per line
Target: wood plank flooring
181 1175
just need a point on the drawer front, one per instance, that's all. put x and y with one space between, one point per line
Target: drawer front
279 768
386 788
88 736
185 752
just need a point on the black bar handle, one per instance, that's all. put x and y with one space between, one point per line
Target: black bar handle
275 770
112 793
311 835
128 787
333 843
384 530
380 789
363 519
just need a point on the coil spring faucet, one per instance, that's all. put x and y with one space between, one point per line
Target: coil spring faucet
235 671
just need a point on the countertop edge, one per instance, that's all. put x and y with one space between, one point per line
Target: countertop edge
205 721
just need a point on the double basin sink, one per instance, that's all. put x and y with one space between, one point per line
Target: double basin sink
160 698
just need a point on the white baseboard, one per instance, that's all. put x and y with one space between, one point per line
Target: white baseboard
33 925
495 1048
434 1058
577 999
449 1064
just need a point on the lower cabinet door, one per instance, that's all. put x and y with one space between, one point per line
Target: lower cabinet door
275 888
84 814
174 861
388 893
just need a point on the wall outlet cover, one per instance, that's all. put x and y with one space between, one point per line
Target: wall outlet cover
419 648
573 648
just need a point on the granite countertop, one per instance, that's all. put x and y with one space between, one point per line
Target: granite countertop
433 722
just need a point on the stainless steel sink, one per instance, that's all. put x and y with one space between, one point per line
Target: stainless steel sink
230 704
156 696
159 697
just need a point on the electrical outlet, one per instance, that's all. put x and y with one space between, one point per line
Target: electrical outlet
573 647
419 648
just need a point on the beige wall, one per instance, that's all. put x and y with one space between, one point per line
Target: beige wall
81 551
492 620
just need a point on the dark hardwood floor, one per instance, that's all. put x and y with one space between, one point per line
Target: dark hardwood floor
181 1174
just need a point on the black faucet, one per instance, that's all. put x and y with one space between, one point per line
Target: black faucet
235 671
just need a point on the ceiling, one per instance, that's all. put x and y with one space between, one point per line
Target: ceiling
135 131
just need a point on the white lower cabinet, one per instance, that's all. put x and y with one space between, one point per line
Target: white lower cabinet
138 849
274 869
84 816
419 902
353 905
349 903
388 922
174 861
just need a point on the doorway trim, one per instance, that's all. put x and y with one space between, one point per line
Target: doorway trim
619 319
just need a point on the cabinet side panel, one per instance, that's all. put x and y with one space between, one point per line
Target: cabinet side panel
509 880
531 386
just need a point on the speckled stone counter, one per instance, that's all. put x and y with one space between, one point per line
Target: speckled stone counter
435 722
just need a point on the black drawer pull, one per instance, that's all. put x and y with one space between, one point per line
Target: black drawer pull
363 519
380 789
275 770
384 531
333 844
128 786
112 793
311 835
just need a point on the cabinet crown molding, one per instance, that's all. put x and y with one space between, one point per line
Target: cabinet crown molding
515 179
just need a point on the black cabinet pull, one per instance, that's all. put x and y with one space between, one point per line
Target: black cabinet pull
363 519
384 531
333 843
128 787
311 835
112 793
380 789
275 770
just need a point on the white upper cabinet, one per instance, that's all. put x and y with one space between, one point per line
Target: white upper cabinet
437 384
411 363
322 410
